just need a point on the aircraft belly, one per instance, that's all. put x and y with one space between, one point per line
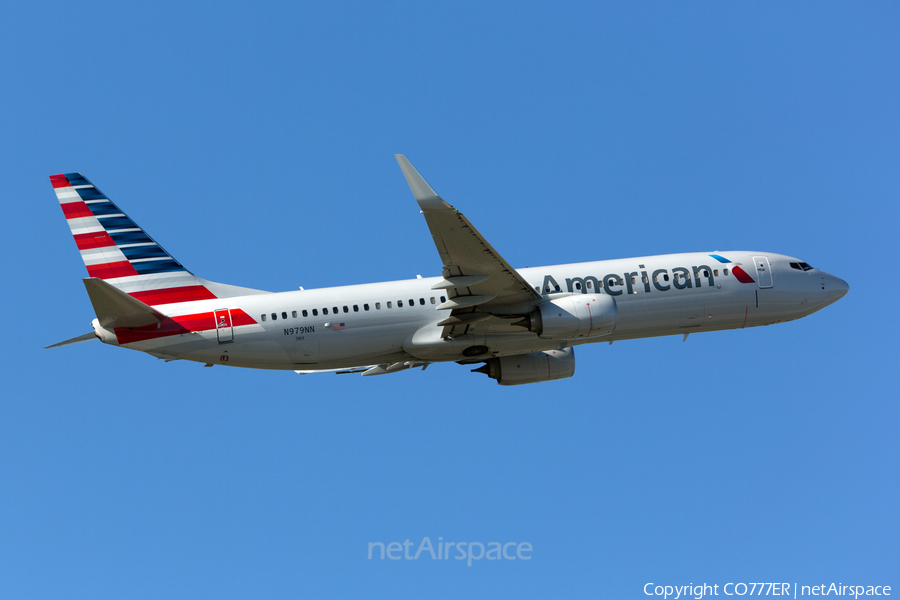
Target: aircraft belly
260 354
427 344
274 349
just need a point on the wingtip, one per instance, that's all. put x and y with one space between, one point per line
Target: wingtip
422 191
404 163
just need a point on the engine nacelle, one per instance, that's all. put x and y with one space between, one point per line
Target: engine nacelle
530 368
573 317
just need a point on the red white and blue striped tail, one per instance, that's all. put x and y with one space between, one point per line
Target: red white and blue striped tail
115 249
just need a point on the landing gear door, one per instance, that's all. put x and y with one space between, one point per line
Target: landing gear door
224 330
763 272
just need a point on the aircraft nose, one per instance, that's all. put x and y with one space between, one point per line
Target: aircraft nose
836 288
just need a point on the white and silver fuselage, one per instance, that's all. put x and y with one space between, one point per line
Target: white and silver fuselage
392 322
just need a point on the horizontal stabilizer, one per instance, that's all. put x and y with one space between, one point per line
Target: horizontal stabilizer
75 340
115 308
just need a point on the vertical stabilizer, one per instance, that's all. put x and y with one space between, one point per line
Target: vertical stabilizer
116 250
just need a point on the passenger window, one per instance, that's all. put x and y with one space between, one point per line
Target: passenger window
577 286
557 288
305 314
284 315
666 277
356 308
644 279
536 288
335 310
443 299
705 273
294 314
400 303
725 272
315 312
589 285
365 307
422 301
389 304
378 306
346 310
324 311
432 299
263 317
633 279
716 272
412 302
274 316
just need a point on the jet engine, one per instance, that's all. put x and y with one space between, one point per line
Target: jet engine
572 317
530 368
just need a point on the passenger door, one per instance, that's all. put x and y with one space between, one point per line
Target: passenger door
763 272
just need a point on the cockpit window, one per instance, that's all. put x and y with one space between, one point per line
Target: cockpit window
801 266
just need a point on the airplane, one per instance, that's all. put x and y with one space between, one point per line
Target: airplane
522 324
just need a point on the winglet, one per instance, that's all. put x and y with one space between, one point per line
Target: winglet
425 195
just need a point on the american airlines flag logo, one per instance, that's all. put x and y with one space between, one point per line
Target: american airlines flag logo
337 326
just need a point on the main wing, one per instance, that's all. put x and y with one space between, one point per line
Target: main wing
478 280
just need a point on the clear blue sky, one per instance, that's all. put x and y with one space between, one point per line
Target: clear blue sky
255 142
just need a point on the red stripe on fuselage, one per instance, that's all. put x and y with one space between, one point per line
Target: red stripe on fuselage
239 317
112 270
189 293
97 239
179 325
741 275
59 181
74 210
